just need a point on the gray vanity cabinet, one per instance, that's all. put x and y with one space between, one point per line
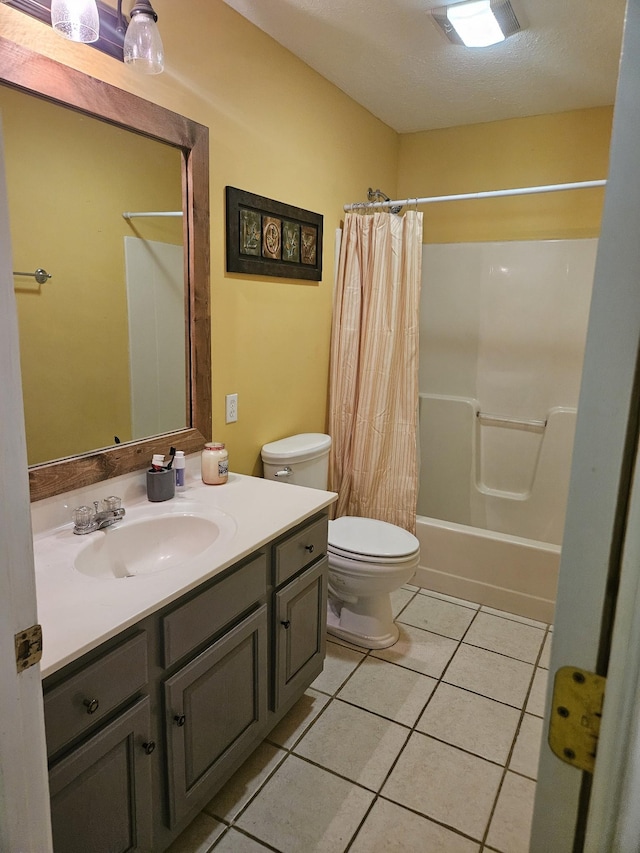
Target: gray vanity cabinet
300 617
144 730
216 707
101 792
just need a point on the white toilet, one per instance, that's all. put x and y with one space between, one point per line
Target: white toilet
368 559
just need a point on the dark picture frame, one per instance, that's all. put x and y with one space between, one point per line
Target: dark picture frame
267 237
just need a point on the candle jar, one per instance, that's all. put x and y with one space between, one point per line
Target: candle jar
215 463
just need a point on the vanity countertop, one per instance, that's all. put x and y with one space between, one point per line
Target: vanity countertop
78 612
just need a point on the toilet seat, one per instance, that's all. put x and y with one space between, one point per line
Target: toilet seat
370 540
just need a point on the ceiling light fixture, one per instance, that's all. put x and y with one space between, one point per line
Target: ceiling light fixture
477 23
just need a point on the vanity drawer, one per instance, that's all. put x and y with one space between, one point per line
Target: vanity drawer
300 549
194 622
92 693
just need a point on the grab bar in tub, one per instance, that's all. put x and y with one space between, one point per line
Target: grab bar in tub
513 423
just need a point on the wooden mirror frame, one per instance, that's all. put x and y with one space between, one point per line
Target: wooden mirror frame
37 75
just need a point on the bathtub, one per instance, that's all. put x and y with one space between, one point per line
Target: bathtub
492 502
496 569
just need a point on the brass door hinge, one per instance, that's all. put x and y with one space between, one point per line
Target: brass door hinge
28 647
576 710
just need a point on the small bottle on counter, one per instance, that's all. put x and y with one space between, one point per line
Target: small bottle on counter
215 463
179 463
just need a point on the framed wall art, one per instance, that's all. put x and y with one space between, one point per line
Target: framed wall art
267 237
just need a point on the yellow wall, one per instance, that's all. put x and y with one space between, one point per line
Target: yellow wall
67 191
280 130
534 151
277 129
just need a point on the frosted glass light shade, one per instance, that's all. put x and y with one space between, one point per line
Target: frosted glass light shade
142 44
77 20
475 23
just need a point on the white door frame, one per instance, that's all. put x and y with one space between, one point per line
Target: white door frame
603 460
24 789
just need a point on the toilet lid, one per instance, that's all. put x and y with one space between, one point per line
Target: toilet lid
369 537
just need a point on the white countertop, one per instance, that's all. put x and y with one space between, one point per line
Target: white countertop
78 612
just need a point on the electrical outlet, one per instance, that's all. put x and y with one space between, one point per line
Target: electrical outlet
231 408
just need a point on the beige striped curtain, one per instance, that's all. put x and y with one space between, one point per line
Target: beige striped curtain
373 401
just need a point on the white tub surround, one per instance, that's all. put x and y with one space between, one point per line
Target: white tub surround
78 612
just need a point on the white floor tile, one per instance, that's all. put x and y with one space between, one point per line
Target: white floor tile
419 650
511 823
235 842
230 799
440 617
444 783
501 635
391 829
475 723
339 663
199 836
546 651
354 743
490 674
526 752
399 600
294 724
461 601
392 691
513 617
538 695
305 808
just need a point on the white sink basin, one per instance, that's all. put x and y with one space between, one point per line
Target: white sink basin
149 545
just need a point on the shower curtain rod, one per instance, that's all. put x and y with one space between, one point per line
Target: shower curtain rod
133 214
550 188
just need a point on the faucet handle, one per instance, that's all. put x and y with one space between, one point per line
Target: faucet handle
112 503
82 517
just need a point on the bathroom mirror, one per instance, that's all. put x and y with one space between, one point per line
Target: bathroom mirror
178 148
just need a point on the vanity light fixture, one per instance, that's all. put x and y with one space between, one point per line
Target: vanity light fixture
135 40
477 23
77 20
142 47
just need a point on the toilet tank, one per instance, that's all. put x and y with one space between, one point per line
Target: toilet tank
299 459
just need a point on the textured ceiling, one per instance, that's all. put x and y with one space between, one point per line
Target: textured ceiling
390 56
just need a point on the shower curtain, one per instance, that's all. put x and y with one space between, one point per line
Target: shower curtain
373 399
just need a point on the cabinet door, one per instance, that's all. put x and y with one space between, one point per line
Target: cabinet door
101 792
216 710
300 632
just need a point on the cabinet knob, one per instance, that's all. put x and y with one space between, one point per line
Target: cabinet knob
286 623
179 720
149 747
91 705
309 548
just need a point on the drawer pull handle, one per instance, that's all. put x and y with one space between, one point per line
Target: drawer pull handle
179 720
285 624
91 705
309 548
149 747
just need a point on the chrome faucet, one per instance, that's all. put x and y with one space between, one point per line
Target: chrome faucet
86 519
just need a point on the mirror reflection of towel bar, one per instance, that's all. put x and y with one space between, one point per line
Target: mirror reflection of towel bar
513 423
40 275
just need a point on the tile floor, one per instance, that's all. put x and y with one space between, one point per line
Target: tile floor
430 746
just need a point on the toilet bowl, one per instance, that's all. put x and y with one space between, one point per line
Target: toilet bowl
368 559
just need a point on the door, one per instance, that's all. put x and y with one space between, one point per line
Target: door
101 792
300 632
208 737
597 529
24 793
